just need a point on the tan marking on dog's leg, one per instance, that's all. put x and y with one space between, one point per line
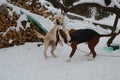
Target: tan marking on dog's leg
74 47
53 47
69 60
92 44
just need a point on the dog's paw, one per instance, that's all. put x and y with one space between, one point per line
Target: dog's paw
68 60
90 58
55 56
46 57
61 43
87 55
68 43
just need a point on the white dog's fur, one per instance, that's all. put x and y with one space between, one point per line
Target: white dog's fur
50 38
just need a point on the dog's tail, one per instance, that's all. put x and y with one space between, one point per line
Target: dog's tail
107 35
39 35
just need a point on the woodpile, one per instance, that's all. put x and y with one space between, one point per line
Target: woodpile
11 34
34 6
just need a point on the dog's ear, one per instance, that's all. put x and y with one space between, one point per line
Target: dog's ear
71 31
54 17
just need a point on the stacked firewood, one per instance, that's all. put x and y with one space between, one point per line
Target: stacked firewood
34 6
11 33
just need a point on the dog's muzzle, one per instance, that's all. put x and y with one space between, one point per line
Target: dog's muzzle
58 22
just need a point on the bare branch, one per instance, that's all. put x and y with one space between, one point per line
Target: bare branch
107 9
57 4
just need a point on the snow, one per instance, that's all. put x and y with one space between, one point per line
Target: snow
101 2
107 21
22 17
115 3
26 62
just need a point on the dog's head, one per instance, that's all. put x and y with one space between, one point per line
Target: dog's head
59 19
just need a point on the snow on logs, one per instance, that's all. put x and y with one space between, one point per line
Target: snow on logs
11 32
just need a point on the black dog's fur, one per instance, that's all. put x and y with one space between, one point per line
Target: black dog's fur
84 35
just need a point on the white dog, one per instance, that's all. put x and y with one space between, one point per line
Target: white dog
53 36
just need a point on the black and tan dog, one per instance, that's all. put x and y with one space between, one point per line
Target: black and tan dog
83 35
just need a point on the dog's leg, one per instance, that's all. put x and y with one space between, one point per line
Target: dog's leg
60 39
46 45
53 47
89 54
74 47
91 44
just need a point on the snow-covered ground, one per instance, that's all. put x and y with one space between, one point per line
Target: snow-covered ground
26 62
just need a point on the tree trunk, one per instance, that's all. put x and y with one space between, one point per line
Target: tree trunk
114 28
